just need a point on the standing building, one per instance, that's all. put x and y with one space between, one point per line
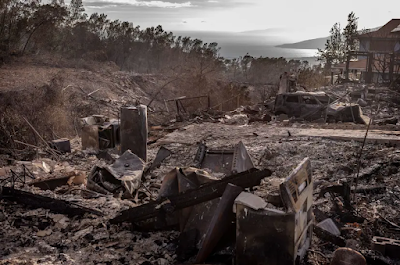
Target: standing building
378 57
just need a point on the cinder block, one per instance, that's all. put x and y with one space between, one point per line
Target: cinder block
63 145
387 246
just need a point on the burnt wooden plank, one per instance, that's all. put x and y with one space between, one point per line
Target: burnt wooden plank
39 201
326 236
204 193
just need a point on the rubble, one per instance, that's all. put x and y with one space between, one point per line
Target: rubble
218 192
191 197
99 132
124 175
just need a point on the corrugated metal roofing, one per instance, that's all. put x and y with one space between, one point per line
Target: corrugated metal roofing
396 29
386 31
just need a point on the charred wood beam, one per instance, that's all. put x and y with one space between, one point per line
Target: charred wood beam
370 189
206 192
326 236
344 190
39 201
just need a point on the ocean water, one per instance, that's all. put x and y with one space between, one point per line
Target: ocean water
234 45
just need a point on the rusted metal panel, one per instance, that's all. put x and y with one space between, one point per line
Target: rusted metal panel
220 221
50 184
169 184
162 154
264 237
185 183
270 236
180 180
109 134
196 227
125 174
295 190
228 161
134 130
241 159
128 169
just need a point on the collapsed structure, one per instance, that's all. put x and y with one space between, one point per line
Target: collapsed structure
209 191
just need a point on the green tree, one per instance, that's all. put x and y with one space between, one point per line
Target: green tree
350 32
76 12
334 51
340 42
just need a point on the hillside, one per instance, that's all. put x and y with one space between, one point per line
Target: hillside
54 94
317 43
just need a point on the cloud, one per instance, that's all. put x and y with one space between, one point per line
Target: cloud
163 4
140 3
173 4
103 4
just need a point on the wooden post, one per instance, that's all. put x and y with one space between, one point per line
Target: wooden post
391 67
368 77
331 78
347 67
134 130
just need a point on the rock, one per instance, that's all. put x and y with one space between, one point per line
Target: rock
238 119
266 117
283 117
44 248
390 120
3 217
43 233
285 122
42 165
362 102
3 172
353 244
82 233
61 221
77 177
162 261
346 256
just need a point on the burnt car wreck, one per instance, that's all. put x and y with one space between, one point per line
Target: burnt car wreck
313 106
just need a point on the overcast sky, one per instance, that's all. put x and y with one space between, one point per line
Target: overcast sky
300 18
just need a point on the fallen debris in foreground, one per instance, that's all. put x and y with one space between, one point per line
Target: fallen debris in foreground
39 201
206 192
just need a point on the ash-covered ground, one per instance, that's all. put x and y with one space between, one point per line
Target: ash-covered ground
38 236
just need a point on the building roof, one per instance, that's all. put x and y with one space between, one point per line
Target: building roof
389 30
361 65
